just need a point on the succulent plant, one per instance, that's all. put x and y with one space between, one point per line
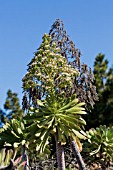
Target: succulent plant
10 161
13 134
99 145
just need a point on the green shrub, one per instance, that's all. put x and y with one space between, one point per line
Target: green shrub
9 160
99 146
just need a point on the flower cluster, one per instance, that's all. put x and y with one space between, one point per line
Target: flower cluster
49 71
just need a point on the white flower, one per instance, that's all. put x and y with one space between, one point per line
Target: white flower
47 46
52 54
39 55
47 50
68 79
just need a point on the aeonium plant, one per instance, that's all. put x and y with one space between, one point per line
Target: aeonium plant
51 79
99 146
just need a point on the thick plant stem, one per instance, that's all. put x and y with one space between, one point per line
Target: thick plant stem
60 154
25 157
77 155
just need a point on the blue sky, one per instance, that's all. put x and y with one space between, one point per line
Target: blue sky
23 22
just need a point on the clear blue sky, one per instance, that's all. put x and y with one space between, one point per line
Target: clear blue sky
23 22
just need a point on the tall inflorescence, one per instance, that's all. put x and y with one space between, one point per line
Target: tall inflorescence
48 74
44 69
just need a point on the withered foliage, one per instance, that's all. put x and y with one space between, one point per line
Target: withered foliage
83 84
